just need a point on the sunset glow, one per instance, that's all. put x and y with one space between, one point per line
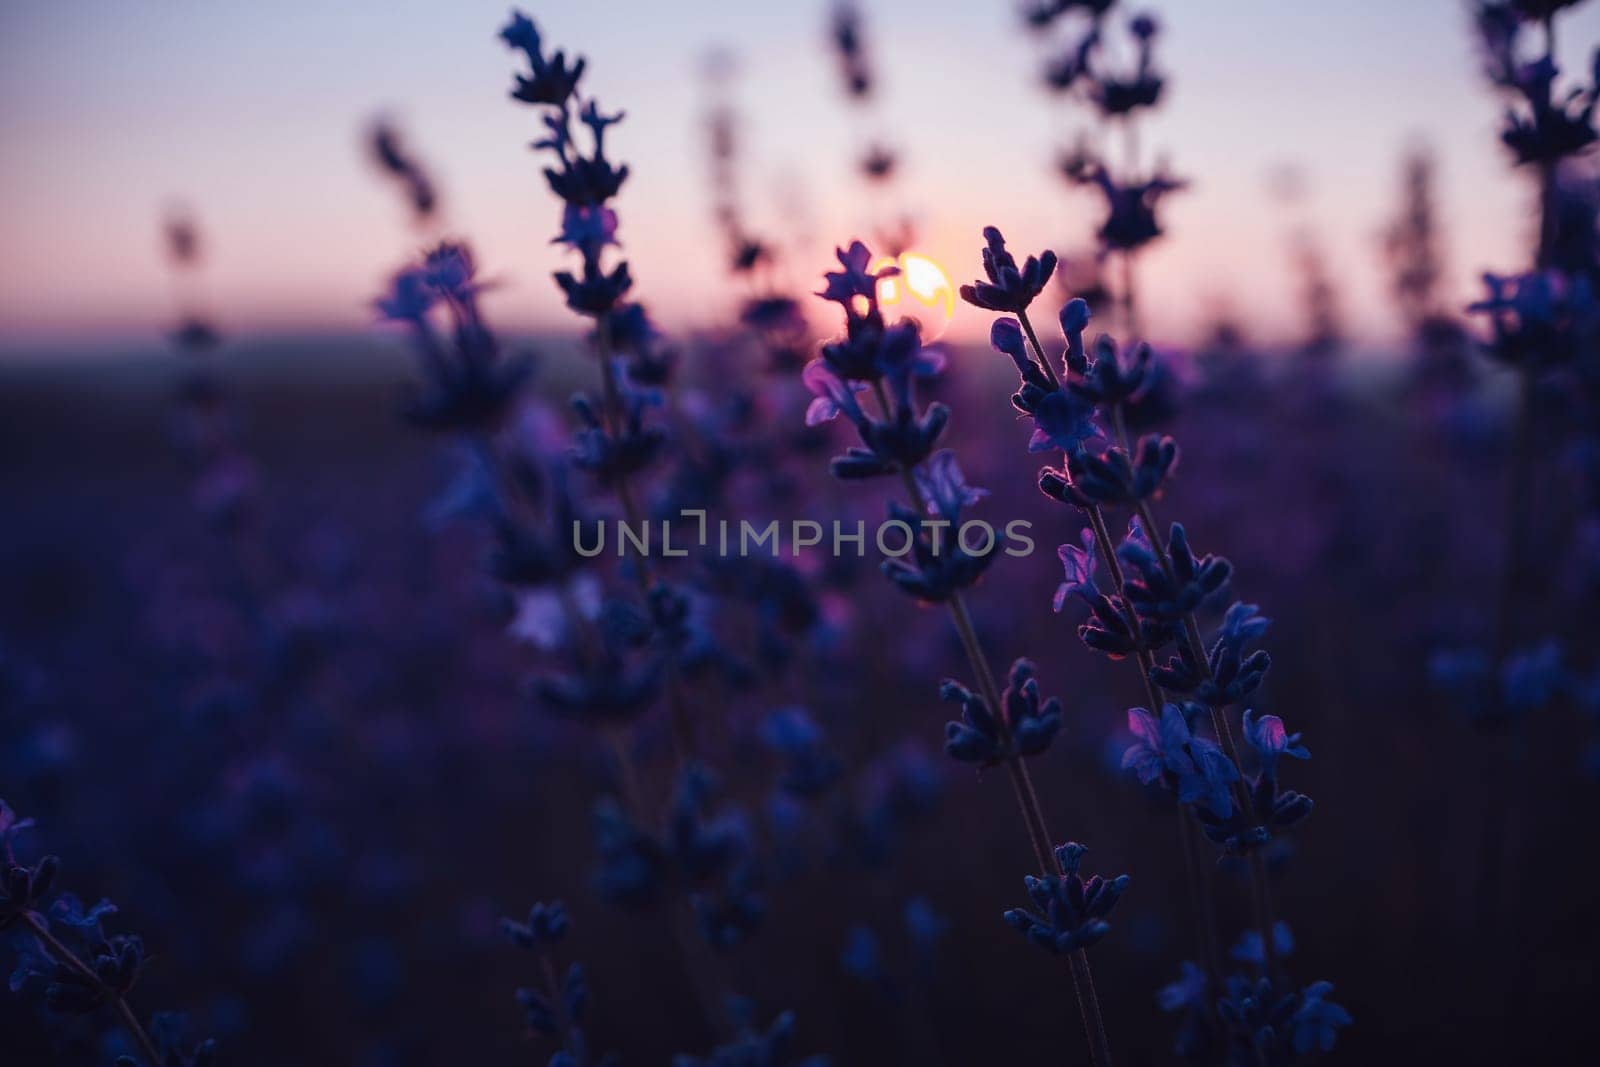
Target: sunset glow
922 291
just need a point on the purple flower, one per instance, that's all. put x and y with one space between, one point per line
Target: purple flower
1062 421
831 395
1009 287
844 286
942 485
1542 317
1071 65
1130 221
1079 565
68 909
1071 911
1248 948
553 82
449 270
389 149
1169 752
409 297
1242 624
587 228
1030 724
1005 336
901 357
1531 679
597 291
547 924
1159 750
1549 129
1317 1021
1118 96
1188 991
1074 317
1270 740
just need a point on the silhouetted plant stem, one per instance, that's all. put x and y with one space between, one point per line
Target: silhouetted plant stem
1200 898
1130 317
557 999
1130 145
1503 784
1224 732
697 965
690 948
683 741
1033 339
1191 631
1033 816
1021 783
1199 889
68 958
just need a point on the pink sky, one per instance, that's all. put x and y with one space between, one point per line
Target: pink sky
251 113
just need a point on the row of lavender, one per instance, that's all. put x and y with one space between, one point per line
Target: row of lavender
659 661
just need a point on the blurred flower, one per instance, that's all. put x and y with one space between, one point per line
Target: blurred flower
547 924
1248 948
552 81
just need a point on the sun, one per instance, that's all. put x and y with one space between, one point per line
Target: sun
922 291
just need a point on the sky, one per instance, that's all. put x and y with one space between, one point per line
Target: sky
251 114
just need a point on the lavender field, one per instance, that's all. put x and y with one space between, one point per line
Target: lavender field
939 630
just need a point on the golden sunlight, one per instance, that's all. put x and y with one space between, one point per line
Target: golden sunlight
922 291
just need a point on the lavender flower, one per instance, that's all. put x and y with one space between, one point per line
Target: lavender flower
772 1047
899 439
1229 674
467 386
809 767
1131 220
1009 287
1079 565
1169 752
889 360
1030 724
1539 319
1549 129
394 157
1070 911
1120 95
1254 1020
848 44
936 570
82 969
1270 740
552 82
1165 587
1249 948
557 1011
